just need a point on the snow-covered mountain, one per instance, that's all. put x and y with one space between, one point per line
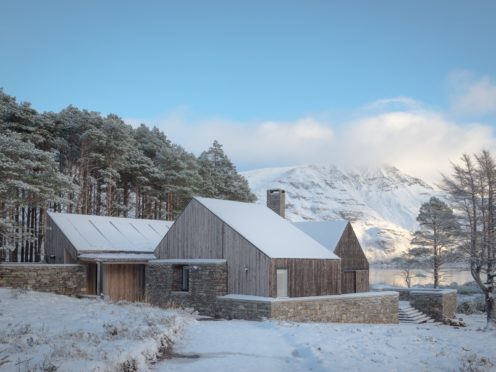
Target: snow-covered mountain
382 202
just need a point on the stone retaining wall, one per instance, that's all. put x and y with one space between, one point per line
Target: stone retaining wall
207 294
371 307
258 308
438 304
61 279
207 281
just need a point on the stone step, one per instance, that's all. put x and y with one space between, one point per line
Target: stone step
408 314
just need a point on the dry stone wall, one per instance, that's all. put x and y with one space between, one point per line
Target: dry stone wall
438 304
369 307
67 280
207 281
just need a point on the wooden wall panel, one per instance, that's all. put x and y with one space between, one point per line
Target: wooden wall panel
308 277
197 233
362 280
123 281
350 251
57 244
348 282
240 254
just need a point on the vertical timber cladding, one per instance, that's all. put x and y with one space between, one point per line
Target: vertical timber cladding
200 234
354 263
59 250
348 284
362 280
123 281
308 277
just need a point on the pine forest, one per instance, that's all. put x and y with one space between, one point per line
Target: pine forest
78 161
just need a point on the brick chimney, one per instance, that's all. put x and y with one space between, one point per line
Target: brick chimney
276 200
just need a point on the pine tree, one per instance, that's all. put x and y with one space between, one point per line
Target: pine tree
435 242
78 161
29 178
220 178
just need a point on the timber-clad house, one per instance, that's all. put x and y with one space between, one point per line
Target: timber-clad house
215 249
265 254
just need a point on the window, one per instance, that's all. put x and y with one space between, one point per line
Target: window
185 279
180 278
282 282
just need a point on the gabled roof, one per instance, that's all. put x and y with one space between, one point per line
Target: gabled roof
326 233
266 230
91 234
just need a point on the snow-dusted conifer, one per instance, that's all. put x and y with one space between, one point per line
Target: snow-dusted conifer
435 242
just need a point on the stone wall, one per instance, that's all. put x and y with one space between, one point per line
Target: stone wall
208 295
438 304
207 281
371 307
242 307
61 279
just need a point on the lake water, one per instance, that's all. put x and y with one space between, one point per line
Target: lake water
394 277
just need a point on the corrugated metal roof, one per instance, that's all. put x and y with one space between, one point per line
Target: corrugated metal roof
326 233
91 234
266 230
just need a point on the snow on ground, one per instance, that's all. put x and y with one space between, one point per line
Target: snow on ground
282 346
43 331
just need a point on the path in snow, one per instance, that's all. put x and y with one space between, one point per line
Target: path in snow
280 346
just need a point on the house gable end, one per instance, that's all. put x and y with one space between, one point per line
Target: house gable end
58 244
350 251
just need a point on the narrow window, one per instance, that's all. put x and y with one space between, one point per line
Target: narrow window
282 282
185 279
180 278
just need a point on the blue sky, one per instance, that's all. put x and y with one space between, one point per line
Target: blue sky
204 68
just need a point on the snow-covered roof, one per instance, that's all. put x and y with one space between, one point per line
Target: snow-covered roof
326 233
190 261
117 257
91 234
266 230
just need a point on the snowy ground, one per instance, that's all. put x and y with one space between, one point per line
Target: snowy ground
281 346
42 331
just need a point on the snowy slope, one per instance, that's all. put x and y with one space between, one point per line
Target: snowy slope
382 202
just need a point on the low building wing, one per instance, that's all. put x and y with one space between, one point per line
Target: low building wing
92 234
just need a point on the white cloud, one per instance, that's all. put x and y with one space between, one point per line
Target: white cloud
394 104
472 96
418 141
421 143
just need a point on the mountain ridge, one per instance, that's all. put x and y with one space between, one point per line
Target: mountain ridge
382 202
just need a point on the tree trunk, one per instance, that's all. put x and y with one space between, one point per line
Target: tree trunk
41 227
490 307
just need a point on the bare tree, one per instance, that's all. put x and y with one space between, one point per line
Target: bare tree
407 265
472 190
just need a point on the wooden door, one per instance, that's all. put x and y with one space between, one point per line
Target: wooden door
123 281
91 278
